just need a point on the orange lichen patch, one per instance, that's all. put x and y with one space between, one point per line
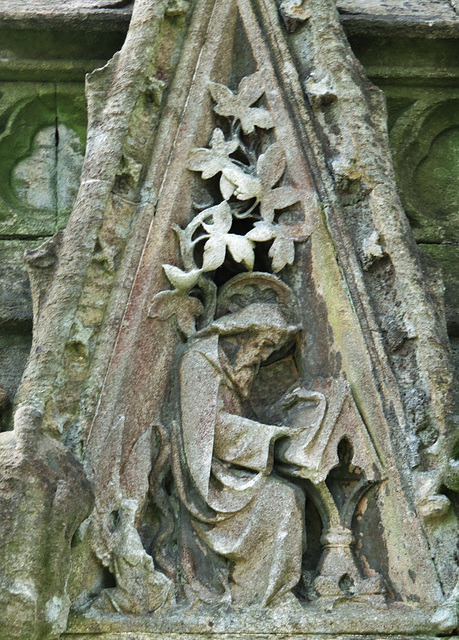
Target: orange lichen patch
368 572
361 508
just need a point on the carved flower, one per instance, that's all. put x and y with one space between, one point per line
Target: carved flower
211 161
240 247
270 168
250 89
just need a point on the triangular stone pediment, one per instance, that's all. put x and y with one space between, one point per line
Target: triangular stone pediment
240 184
240 422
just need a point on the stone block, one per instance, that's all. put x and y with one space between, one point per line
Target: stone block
425 141
41 150
448 257
15 299
14 350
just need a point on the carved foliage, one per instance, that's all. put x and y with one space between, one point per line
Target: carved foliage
251 189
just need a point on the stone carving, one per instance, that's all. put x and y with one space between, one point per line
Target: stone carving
48 179
425 139
229 458
43 482
42 146
229 466
243 430
224 459
248 192
231 469
294 12
139 587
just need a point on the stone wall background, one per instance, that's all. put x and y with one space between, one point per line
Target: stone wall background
409 49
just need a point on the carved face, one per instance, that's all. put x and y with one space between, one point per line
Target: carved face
255 348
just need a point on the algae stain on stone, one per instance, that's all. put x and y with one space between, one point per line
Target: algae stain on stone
436 177
49 177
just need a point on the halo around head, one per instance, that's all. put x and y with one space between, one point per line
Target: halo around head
256 288
252 302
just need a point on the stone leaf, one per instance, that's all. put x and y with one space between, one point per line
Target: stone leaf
212 161
214 253
222 219
270 168
250 89
271 165
237 182
181 280
227 187
282 251
262 232
240 247
279 198
185 308
215 247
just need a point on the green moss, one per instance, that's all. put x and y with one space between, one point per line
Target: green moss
448 257
61 44
28 109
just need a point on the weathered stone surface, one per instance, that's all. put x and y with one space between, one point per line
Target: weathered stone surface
48 178
426 144
44 496
208 159
237 336
41 146
15 317
15 298
229 636
392 279
14 351
425 19
424 9
448 257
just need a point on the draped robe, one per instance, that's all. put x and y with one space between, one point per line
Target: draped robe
231 499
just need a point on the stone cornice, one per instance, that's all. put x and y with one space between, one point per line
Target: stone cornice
421 19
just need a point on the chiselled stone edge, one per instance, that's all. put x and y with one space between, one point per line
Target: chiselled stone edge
400 25
231 636
116 19
314 622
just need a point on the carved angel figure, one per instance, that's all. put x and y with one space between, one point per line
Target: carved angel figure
234 506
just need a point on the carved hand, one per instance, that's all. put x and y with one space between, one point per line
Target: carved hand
301 394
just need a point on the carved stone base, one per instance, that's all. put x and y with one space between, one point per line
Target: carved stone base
396 621
127 635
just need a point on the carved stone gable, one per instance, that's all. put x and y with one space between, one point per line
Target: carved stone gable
240 417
